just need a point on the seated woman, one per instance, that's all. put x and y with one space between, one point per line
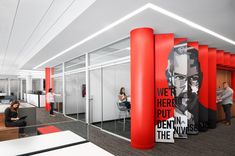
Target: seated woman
123 99
12 119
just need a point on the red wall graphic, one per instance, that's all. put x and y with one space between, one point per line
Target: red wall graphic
220 57
227 58
164 44
212 88
232 60
203 92
180 73
194 81
142 88
164 69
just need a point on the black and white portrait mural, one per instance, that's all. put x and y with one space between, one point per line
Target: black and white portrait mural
184 75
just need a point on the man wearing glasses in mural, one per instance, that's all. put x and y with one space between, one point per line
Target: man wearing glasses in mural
184 74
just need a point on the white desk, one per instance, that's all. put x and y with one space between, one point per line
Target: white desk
22 105
3 94
36 100
37 143
81 149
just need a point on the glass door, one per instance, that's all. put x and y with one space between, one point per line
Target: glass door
75 89
58 89
95 99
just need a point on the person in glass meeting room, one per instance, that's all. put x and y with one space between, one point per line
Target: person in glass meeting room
225 98
12 118
123 99
51 99
186 79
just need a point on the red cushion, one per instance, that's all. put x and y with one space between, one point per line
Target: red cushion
48 129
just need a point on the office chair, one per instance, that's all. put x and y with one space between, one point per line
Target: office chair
123 113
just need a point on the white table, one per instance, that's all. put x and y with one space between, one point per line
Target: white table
38 143
22 105
3 94
81 149
33 99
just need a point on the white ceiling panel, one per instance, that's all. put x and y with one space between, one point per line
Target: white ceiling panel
36 23
67 15
202 12
7 12
68 22
28 14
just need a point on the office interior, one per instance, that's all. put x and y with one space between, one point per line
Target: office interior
86 49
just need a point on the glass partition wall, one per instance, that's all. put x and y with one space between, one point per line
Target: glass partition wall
15 87
92 83
4 85
57 84
109 71
75 88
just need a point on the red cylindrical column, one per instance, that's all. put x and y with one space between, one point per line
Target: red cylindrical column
47 85
142 88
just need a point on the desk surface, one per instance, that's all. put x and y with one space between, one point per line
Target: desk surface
37 143
3 94
81 149
22 105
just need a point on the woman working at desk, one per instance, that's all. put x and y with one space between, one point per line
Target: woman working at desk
12 119
123 99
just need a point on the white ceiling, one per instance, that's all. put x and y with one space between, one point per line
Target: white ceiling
26 26
44 28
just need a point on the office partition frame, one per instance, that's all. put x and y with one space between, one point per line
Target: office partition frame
87 70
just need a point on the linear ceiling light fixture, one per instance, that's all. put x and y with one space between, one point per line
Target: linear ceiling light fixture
134 13
128 16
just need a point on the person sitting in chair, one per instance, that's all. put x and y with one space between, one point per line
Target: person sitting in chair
12 119
123 99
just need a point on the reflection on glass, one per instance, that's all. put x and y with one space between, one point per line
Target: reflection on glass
58 89
75 89
114 51
95 99
4 86
57 69
76 63
115 118
105 85
14 87
36 85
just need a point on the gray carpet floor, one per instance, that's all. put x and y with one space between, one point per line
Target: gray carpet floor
214 142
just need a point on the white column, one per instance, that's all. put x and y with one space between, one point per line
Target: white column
28 84
21 89
87 91
63 83
9 86
41 84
